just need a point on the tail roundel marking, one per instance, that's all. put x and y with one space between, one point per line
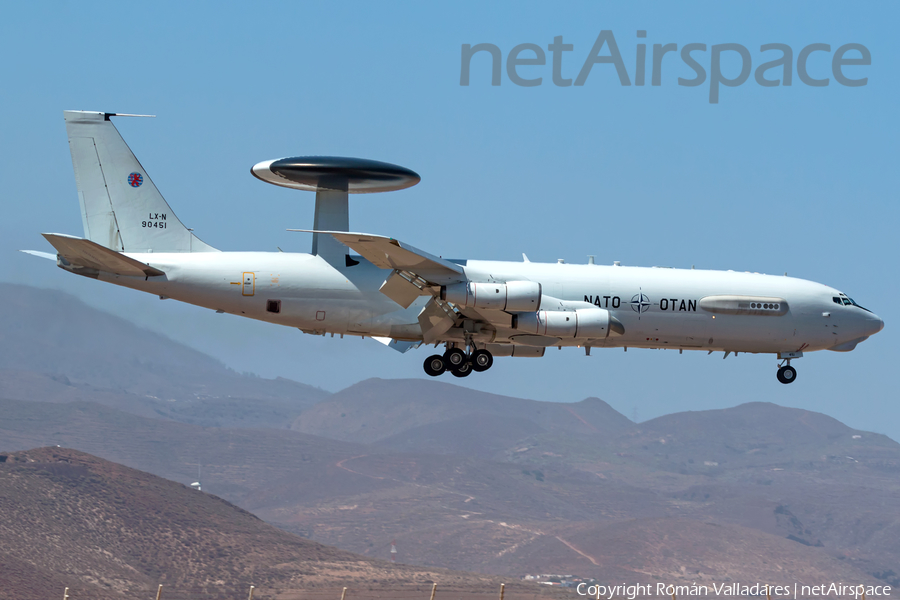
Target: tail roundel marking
135 180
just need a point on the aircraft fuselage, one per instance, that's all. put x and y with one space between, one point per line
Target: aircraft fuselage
659 307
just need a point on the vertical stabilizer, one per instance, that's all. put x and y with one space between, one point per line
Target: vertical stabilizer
120 207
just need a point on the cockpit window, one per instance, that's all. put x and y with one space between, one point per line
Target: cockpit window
845 300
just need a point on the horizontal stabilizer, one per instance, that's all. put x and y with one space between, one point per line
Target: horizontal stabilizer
388 253
85 253
39 254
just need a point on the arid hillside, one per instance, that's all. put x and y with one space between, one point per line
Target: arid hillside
73 520
570 509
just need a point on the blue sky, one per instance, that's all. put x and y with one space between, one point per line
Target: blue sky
792 179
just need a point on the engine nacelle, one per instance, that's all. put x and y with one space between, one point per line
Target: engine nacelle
585 323
512 296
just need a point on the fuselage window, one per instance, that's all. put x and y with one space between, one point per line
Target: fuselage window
769 306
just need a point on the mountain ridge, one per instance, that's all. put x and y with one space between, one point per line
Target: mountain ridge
376 409
498 516
55 347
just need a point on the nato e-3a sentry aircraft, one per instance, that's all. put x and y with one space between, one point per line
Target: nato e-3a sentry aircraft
404 297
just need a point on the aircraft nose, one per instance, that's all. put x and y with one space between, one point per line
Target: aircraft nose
876 324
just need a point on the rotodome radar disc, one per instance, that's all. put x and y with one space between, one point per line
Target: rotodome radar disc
354 175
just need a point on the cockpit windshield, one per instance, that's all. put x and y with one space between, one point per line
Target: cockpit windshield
845 300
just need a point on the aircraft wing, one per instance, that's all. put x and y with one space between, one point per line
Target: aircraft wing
85 253
388 253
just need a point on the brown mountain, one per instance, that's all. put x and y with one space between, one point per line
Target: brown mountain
756 433
423 415
73 520
56 348
537 508
246 466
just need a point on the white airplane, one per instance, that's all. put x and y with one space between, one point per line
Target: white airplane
404 297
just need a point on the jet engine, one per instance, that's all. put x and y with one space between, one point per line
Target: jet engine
512 296
585 323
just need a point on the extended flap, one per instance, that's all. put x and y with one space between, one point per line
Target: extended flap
400 290
434 321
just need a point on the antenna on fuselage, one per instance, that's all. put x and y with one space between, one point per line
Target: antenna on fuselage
333 178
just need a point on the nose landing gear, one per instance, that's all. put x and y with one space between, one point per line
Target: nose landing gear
458 362
787 373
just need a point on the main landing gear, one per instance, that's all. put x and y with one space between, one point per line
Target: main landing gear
458 362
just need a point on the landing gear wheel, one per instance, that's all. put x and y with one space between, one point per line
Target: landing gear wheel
787 374
454 358
463 370
434 365
482 360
